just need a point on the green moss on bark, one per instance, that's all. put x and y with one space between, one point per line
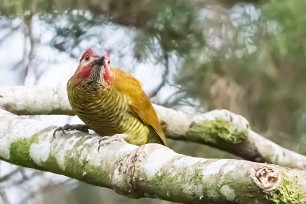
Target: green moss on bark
289 191
168 187
51 162
20 152
161 183
20 155
85 171
215 131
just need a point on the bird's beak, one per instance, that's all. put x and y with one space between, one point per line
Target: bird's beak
99 61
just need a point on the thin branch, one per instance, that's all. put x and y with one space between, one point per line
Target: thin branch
26 179
46 188
8 33
164 76
220 128
28 35
9 175
151 170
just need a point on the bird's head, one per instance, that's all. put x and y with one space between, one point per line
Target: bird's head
94 67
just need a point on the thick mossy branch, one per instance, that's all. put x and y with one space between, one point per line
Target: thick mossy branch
219 128
150 170
216 131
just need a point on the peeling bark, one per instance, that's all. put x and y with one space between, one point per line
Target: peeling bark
150 170
219 128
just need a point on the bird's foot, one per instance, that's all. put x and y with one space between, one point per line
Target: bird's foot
79 127
106 140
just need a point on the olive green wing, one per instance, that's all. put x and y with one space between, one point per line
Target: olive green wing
140 104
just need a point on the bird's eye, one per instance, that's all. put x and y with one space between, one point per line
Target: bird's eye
108 61
86 57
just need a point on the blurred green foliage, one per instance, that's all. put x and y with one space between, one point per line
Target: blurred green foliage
248 58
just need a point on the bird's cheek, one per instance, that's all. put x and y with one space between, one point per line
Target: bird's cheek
107 76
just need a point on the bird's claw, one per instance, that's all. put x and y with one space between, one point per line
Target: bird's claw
58 129
106 140
80 127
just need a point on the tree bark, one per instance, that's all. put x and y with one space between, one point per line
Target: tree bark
150 170
219 128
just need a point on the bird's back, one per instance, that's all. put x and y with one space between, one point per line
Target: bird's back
139 104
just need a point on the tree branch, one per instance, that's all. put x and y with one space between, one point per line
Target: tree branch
150 170
220 128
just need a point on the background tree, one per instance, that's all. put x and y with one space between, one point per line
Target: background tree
245 56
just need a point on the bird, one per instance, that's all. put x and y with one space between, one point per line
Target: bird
111 101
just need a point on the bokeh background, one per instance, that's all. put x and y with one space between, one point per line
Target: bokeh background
197 55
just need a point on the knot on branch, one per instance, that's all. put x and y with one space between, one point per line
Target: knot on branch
266 178
130 166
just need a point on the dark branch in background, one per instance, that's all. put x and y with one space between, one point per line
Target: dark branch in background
8 32
13 178
9 180
122 12
7 28
20 176
126 13
9 175
178 98
46 188
164 76
27 179
28 36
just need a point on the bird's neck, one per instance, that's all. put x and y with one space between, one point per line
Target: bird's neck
108 75
94 75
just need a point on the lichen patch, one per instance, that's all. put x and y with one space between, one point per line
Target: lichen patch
186 161
40 152
228 168
214 167
228 192
4 147
158 159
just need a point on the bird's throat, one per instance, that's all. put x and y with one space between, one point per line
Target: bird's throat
95 74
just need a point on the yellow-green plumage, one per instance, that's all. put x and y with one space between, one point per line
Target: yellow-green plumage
121 107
